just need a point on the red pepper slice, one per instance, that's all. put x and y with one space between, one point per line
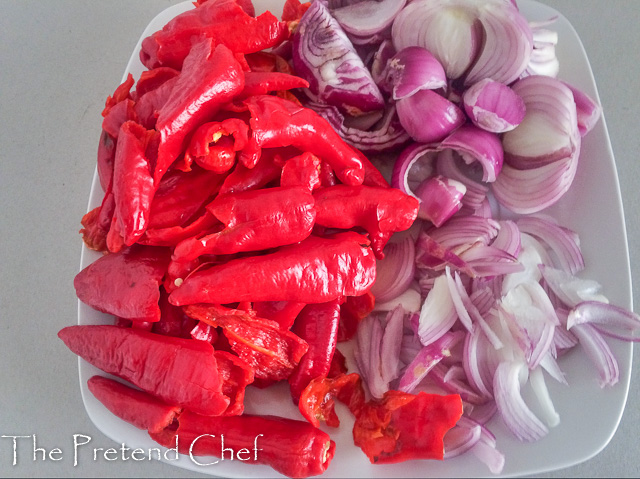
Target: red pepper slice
402 427
182 372
250 219
317 401
125 284
279 122
136 407
315 270
221 21
272 352
380 211
293 448
236 375
210 77
317 324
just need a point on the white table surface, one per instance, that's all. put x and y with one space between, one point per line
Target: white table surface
58 62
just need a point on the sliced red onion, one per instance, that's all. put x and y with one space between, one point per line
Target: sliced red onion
508 238
493 106
599 352
476 316
550 364
368 17
414 157
608 319
447 165
490 261
413 69
391 344
479 362
410 300
454 385
440 198
532 254
467 230
543 59
437 314
481 413
589 112
395 272
456 297
385 52
507 45
425 23
485 450
570 289
562 241
428 117
539 387
461 438
367 355
324 56
475 144
430 254
517 416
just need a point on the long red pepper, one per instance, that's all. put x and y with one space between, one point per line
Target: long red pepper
293 448
181 372
316 270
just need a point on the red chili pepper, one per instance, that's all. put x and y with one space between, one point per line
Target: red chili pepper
317 401
282 312
317 324
236 375
352 311
267 171
210 77
271 351
302 170
133 184
278 122
250 219
136 407
380 211
401 426
221 21
181 372
293 448
125 284
316 270
213 146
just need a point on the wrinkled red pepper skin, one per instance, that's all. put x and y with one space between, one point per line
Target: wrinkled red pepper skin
380 211
317 270
211 76
317 324
120 94
214 144
278 122
402 427
352 311
250 219
317 400
133 185
125 284
272 352
136 407
221 21
152 79
261 83
302 170
293 448
181 372
236 375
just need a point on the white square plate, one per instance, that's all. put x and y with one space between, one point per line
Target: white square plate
589 416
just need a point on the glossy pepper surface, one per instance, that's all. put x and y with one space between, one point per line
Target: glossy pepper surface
180 372
316 270
317 401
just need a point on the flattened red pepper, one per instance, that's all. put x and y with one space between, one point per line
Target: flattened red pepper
302 170
380 211
402 427
181 372
317 324
317 401
213 146
250 219
133 184
293 448
125 284
236 375
210 77
271 351
279 122
136 407
221 21
317 270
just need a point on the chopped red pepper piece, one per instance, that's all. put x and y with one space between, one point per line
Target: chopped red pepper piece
271 351
402 426
214 144
97 222
210 77
315 270
125 284
236 375
220 21
352 311
317 401
317 324
182 372
152 79
120 94
302 170
338 364
293 448
136 407
278 122
380 211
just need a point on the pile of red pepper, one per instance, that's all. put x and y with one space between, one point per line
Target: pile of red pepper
240 237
